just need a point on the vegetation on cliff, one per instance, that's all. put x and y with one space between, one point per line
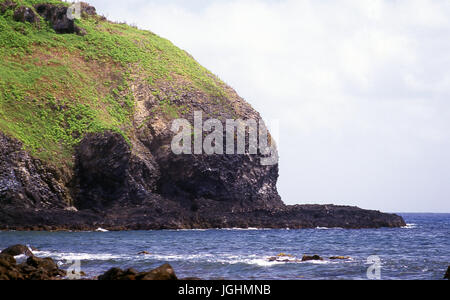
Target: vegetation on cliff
55 88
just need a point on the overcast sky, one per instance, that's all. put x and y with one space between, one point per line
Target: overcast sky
361 88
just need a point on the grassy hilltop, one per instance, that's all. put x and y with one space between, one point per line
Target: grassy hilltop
55 88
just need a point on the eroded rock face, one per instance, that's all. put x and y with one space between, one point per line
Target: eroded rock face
112 172
109 173
237 181
57 16
27 183
118 188
25 14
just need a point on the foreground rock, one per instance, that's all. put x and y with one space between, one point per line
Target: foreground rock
447 274
17 250
164 272
33 269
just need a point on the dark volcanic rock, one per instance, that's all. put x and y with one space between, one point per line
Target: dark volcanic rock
87 9
159 213
25 14
164 272
109 173
33 269
17 250
41 269
313 257
25 182
57 16
339 257
118 274
447 274
8 268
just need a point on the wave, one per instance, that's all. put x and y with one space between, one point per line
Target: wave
329 228
243 229
410 226
223 229
222 258
101 230
80 256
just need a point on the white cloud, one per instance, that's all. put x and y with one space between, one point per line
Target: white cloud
361 88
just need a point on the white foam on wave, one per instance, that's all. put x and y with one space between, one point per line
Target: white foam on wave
222 258
262 261
190 230
319 262
219 258
329 228
80 256
223 229
244 229
410 226
20 257
101 230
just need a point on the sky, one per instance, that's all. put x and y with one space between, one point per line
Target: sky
360 89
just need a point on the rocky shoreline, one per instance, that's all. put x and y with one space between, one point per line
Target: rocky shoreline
148 218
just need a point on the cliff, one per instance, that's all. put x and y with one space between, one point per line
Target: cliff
86 107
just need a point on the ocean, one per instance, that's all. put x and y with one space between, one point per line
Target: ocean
418 251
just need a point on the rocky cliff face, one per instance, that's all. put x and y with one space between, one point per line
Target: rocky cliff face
116 188
26 182
89 164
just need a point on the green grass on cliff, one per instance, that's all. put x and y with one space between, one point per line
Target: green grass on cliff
55 88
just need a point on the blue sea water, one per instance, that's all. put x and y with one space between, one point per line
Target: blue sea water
418 251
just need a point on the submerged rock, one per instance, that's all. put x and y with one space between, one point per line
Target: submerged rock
339 257
164 272
17 250
284 255
313 257
284 258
